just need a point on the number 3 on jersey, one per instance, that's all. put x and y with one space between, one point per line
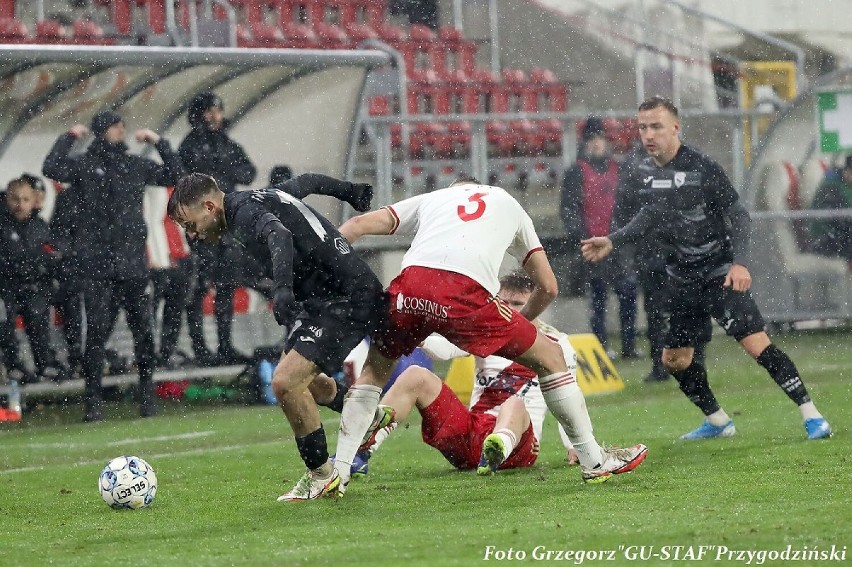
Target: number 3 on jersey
466 215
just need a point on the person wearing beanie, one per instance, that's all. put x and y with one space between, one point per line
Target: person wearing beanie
588 199
108 184
210 150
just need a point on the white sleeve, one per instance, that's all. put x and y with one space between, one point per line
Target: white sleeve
526 240
406 215
439 348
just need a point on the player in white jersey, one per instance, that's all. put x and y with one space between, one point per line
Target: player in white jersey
448 285
507 409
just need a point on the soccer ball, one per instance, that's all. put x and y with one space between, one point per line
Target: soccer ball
128 482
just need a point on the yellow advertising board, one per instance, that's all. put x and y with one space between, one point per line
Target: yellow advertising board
596 374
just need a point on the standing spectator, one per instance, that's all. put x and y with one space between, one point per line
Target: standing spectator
68 297
208 149
111 233
688 197
833 237
588 198
26 263
174 285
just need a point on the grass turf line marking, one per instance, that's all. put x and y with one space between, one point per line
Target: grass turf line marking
194 435
199 451
148 457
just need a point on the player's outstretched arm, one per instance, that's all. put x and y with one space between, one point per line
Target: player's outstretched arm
546 288
596 248
379 222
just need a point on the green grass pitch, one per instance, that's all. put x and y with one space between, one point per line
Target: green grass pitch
221 467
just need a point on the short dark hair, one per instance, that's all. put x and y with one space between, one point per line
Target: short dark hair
465 178
517 280
188 191
659 102
34 181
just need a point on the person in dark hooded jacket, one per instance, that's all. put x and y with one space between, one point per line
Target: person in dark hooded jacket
111 234
208 149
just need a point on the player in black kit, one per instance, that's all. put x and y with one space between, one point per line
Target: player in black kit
324 292
689 200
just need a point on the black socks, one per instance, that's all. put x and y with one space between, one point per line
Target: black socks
784 372
313 448
693 383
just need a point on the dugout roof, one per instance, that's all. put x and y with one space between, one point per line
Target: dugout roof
295 107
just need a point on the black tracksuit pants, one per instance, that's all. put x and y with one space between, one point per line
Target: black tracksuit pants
101 299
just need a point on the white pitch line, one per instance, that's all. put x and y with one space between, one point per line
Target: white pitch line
118 442
149 457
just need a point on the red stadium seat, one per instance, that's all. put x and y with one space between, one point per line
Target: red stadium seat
390 33
51 31
366 12
86 29
418 32
332 36
14 31
262 35
359 32
459 54
300 36
552 96
422 86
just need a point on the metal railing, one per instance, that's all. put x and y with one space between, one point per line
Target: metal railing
479 162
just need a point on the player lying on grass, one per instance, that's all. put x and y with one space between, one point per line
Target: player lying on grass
503 427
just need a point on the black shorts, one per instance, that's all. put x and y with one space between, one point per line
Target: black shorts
692 303
325 332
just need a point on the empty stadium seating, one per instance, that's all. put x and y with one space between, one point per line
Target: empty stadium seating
444 78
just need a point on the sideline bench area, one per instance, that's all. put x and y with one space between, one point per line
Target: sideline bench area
129 378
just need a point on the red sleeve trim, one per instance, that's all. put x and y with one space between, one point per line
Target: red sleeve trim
395 219
530 253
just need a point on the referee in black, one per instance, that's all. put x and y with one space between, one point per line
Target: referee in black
689 200
311 263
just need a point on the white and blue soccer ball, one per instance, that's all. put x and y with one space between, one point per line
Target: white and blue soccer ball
128 482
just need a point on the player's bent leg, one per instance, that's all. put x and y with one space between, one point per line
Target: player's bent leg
786 375
512 421
692 380
677 359
359 409
544 357
416 386
566 402
290 383
326 391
